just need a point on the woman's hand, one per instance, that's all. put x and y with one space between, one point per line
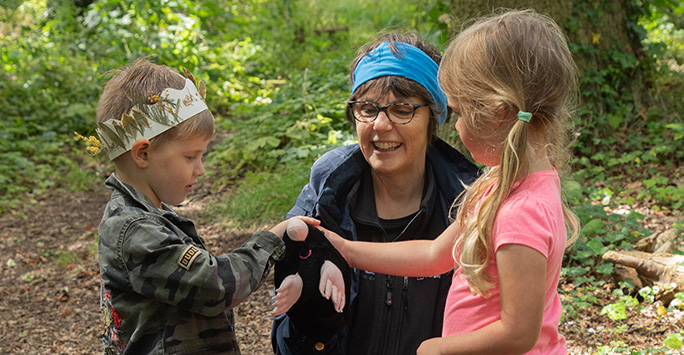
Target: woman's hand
280 228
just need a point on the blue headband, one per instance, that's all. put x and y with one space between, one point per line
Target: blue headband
411 63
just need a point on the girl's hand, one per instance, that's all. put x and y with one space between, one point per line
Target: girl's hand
280 228
429 347
338 242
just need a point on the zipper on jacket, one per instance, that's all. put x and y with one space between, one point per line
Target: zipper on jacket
388 299
385 344
404 293
404 306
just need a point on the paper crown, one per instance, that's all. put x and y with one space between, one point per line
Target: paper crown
147 120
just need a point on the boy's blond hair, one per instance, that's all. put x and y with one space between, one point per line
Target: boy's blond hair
513 61
131 86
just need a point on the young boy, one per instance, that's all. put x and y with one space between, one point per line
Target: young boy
161 291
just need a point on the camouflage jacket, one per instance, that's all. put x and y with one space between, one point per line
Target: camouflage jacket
161 291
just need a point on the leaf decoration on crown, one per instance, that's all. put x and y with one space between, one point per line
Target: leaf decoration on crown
158 113
199 85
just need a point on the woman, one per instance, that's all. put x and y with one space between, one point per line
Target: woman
398 181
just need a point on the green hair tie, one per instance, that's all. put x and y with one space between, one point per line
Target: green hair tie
524 116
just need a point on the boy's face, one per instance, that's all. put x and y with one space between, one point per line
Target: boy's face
173 169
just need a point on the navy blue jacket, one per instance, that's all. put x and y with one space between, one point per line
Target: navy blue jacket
392 315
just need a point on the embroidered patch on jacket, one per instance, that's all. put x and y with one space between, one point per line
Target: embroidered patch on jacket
188 256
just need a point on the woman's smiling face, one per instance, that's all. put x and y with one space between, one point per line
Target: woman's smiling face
390 148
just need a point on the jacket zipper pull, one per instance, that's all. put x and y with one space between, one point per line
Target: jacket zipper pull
404 293
388 300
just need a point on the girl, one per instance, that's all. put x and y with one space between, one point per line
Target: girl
511 80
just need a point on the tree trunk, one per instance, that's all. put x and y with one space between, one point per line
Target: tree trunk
463 11
606 48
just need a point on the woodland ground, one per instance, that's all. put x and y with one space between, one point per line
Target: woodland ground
49 283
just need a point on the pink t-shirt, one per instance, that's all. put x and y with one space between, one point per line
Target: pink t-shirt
531 216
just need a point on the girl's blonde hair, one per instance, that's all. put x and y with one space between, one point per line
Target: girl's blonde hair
513 61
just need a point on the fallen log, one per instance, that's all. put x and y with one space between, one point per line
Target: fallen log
659 242
663 270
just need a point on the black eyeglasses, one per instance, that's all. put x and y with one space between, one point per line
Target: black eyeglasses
399 113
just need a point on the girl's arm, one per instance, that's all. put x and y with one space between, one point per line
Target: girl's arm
522 280
406 258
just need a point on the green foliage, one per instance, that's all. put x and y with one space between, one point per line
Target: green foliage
601 231
303 119
648 157
175 33
664 193
631 113
293 54
674 341
262 197
619 311
605 85
608 90
65 258
604 227
580 298
47 90
664 40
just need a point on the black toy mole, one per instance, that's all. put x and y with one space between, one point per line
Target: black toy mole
312 282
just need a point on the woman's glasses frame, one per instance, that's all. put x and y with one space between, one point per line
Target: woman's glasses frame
389 112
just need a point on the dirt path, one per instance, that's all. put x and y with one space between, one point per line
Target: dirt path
49 289
50 282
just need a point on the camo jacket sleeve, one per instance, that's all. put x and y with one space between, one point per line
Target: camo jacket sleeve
164 263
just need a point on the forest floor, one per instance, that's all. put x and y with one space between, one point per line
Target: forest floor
49 283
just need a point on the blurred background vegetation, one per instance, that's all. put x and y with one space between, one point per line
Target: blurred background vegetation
277 75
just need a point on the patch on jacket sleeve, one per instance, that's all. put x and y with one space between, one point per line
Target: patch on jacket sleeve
188 256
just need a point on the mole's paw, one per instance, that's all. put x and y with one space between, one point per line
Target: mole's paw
287 294
332 285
